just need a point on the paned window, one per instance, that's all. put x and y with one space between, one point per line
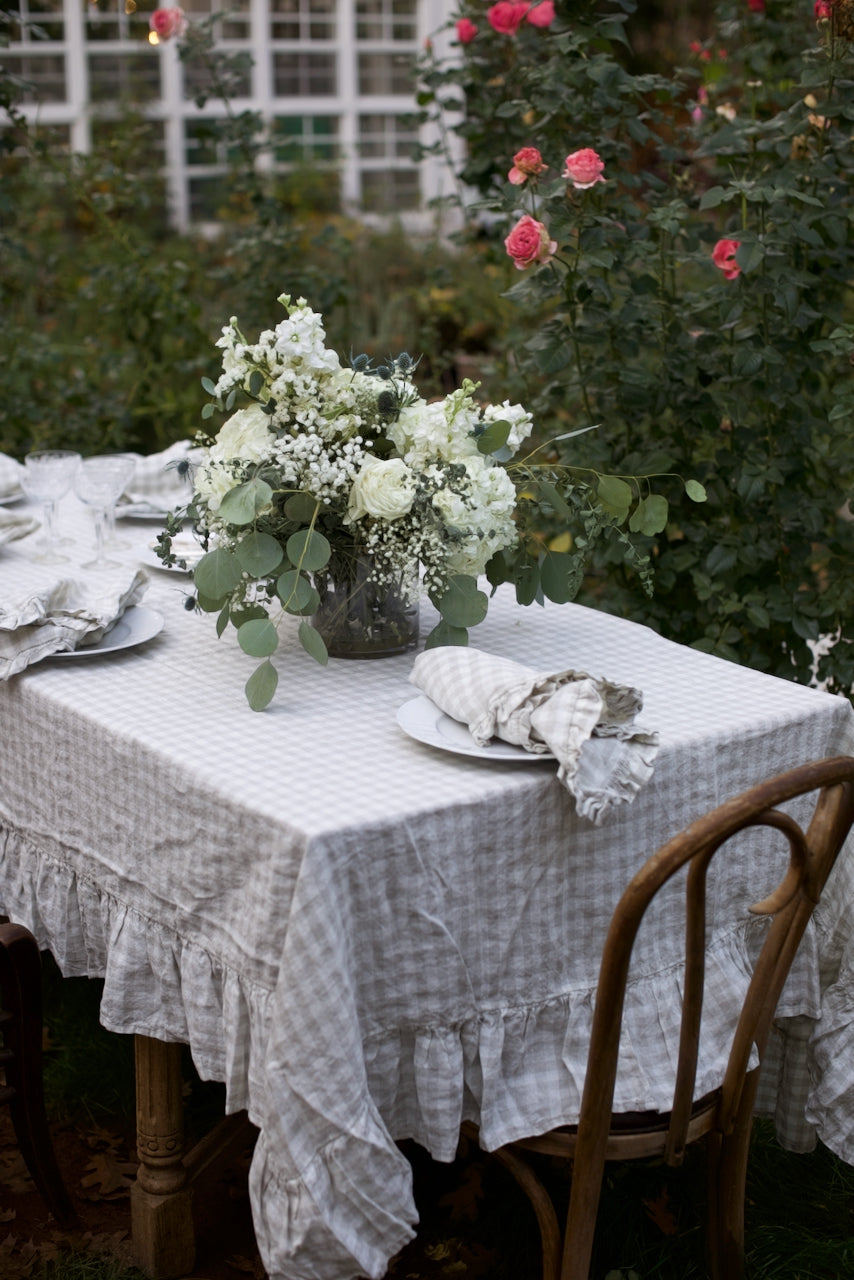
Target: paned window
391 137
390 190
384 73
43 77
127 77
300 138
386 20
303 19
45 15
304 75
197 79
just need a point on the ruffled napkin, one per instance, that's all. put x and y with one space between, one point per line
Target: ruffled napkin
63 615
158 486
10 476
588 724
14 526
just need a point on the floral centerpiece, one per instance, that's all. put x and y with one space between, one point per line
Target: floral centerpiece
337 494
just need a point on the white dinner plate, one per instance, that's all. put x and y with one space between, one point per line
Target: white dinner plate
184 546
136 625
423 720
143 511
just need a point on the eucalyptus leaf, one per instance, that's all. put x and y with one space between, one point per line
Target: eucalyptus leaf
557 577
308 549
259 553
444 634
222 620
242 503
463 604
256 382
294 590
527 579
209 386
615 496
650 515
494 437
258 637
261 686
301 508
695 491
217 574
313 643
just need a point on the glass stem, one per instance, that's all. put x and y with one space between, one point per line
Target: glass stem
100 516
49 509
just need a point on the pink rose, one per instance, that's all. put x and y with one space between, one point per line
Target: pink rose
466 30
527 163
529 242
583 168
723 256
166 23
542 15
756 6
823 10
506 16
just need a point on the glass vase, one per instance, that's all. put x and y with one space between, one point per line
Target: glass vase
361 618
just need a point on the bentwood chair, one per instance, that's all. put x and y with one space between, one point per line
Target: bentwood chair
21 1059
724 1116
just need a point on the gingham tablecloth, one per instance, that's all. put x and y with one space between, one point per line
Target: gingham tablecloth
368 938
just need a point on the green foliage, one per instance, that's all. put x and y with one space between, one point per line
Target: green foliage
744 382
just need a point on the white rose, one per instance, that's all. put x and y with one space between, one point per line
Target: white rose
384 489
246 435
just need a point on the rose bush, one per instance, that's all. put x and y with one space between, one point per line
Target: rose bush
696 302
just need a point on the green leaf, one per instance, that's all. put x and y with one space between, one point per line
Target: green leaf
650 515
259 553
527 579
209 386
208 410
256 382
217 574
615 496
258 637
557 577
301 508
242 503
308 549
294 590
713 197
493 437
222 620
695 491
444 634
313 643
260 688
462 604
749 256
209 604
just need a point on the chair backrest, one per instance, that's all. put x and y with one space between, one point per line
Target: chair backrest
812 854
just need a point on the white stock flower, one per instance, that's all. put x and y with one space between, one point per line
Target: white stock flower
245 435
424 432
301 337
383 488
521 421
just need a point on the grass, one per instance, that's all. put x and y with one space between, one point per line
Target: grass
475 1225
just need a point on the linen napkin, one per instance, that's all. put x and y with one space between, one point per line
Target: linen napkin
587 723
10 476
157 486
63 614
14 526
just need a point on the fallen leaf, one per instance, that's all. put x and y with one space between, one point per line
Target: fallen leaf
659 1211
107 1178
13 1172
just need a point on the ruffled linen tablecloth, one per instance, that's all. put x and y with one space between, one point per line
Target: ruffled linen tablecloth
368 939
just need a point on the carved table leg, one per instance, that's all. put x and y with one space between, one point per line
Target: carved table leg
161 1218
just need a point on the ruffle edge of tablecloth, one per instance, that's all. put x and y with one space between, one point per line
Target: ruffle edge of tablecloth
487 1067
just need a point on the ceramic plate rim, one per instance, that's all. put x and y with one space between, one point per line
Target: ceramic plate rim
422 720
145 623
149 557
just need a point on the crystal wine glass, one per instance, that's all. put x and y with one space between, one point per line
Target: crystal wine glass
47 476
125 464
99 483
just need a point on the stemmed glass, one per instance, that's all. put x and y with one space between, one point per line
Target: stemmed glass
125 464
99 483
47 476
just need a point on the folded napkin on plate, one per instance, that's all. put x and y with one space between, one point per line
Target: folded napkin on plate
588 724
13 526
62 615
10 476
157 486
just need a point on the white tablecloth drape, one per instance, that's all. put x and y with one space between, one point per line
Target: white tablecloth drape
368 938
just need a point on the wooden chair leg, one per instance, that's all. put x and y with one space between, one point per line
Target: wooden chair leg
541 1203
20 972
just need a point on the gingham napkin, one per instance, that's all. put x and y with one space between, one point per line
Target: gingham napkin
158 486
14 526
10 476
588 724
62 615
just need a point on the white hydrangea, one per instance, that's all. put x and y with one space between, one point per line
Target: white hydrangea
480 514
425 432
521 421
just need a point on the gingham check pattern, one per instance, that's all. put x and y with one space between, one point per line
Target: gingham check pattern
603 756
367 938
157 485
